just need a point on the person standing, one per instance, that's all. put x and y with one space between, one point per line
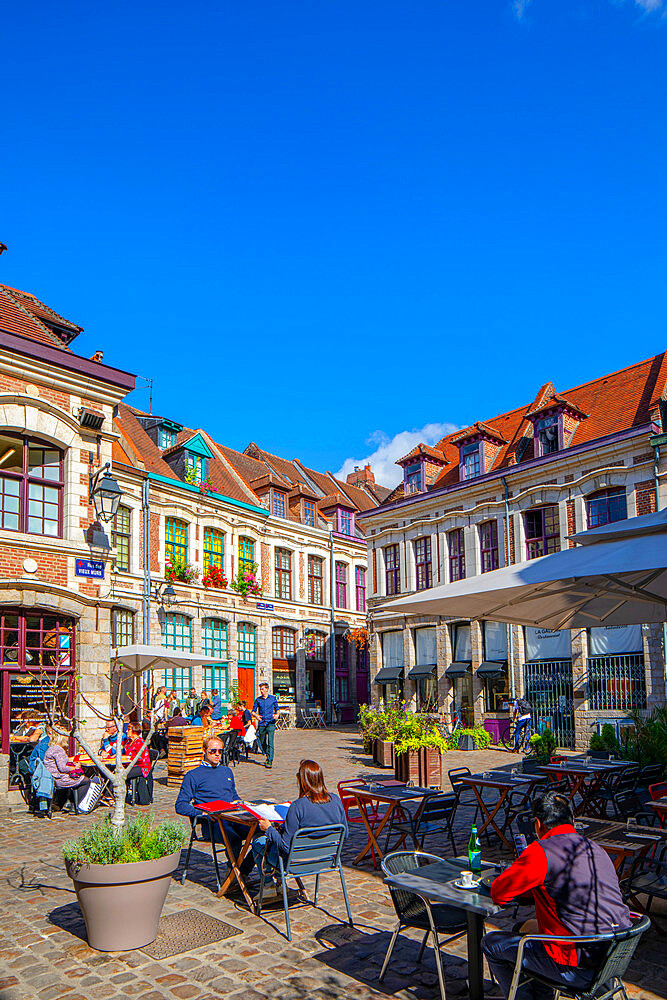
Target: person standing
266 707
216 705
522 713
191 703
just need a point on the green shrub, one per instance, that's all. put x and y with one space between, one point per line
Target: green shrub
480 735
138 840
543 744
647 742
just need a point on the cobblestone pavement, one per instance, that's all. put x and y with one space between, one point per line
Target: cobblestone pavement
44 954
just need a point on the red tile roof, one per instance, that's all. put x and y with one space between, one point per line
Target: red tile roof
17 318
556 401
478 428
422 449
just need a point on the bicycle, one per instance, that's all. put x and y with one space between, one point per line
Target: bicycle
524 738
456 725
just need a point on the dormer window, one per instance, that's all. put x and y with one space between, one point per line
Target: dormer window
470 463
167 437
345 521
413 478
547 435
278 504
196 467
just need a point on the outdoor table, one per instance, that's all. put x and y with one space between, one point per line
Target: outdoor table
87 764
504 783
395 796
660 806
583 779
433 884
240 817
621 844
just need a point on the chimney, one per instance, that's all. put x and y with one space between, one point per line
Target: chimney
361 476
97 356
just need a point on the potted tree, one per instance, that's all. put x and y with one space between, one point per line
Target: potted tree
542 746
113 864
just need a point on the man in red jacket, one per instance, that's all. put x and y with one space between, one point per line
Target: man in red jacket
575 890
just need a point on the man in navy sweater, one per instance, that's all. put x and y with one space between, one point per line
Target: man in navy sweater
211 782
266 707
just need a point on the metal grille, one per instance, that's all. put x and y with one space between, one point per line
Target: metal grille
617 682
548 685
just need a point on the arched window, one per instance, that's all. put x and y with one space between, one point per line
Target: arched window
283 572
284 643
31 486
175 540
177 634
315 579
246 633
284 663
488 544
122 627
542 531
120 538
423 563
316 645
214 549
457 555
606 506
246 554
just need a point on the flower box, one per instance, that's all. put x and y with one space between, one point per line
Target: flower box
384 753
407 766
431 767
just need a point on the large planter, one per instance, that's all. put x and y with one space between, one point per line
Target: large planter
533 765
431 767
407 766
466 742
384 753
122 904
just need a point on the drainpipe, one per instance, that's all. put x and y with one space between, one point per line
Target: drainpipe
655 444
510 630
332 650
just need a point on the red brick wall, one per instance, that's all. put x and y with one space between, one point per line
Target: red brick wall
645 497
375 571
431 472
51 566
155 542
490 451
61 399
265 567
302 583
571 523
511 533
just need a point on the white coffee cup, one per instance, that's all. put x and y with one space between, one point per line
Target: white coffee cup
466 878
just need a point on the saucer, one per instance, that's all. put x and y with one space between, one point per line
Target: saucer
473 885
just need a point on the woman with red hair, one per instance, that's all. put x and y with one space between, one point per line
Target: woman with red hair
315 806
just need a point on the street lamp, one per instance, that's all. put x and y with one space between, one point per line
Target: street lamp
104 493
165 594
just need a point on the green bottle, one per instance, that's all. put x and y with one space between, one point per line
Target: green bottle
474 852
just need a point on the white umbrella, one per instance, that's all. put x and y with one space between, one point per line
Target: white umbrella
139 658
617 575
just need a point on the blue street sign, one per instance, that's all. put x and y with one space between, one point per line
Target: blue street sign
89 567
264 607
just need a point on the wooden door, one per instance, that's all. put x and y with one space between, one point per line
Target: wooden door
247 685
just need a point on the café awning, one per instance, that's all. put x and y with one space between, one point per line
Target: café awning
388 675
458 668
492 668
421 670
138 658
617 575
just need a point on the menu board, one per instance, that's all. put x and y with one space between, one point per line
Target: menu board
25 695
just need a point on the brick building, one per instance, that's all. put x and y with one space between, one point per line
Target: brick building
510 488
188 500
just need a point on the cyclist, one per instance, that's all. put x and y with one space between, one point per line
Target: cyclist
522 713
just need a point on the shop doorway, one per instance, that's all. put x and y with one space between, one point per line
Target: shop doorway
247 685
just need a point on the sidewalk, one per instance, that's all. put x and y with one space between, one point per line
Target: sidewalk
43 952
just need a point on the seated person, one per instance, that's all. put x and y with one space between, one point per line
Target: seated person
64 774
236 719
203 717
108 744
315 806
211 782
178 719
249 718
575 890
133 745
31 728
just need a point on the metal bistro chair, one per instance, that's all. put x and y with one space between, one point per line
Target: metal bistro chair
140 787
435 814
307 720
460 790
230 747
621 793
617 948
208 822
315 850
648 876
413 911
353 812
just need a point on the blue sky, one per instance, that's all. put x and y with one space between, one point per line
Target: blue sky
325 226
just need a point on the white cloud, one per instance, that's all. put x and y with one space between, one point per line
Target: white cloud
519 8
650 5
382 460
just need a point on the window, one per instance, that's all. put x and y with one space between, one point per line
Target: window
309 513
488 543
284 643
197 467
413 478
246 634
360 584
122 627
31 485
246 554
120 538
542 531
316 646
341 585
215 643
469 461
426 688
178 632
176 540
167 438
278 504
214 549
283 566
457 555
546 433
315 580
423 563
392 566
606 506
345 521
